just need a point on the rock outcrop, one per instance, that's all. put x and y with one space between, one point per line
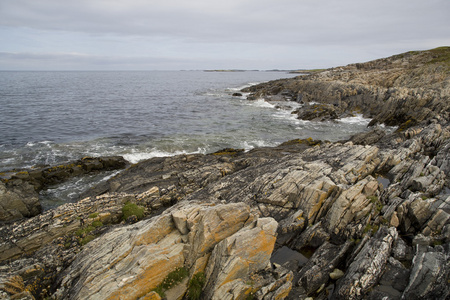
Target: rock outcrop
367 218
404 89
19 191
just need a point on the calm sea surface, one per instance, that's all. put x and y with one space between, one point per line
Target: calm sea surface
48 118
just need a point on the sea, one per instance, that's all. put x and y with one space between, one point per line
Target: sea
54 117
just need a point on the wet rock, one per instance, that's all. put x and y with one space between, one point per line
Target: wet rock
317 112
19 194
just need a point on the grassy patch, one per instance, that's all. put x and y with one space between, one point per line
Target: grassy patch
84 234
172 279
371 228
93 215
195 287
132 209
87 239
441 55
376 202
97 224
84 231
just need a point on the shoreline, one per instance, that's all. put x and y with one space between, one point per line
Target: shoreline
231 212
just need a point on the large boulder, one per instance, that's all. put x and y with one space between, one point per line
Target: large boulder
131 261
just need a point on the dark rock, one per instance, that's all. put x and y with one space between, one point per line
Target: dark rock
368 138
18 199
317 112
285 255
316 272
384 292
429 277
396 275
237 95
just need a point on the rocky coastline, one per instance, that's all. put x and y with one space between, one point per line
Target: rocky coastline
365 218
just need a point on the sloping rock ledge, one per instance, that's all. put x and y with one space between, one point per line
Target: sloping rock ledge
367 218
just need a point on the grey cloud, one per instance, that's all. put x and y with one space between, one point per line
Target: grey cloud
271 33
233 20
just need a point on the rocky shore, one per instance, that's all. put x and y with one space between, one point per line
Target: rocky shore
366 218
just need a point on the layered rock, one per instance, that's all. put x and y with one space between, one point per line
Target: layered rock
403 89
19 192
367 218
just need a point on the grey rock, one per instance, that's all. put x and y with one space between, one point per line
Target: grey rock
429 277
368 266
18 199
323 262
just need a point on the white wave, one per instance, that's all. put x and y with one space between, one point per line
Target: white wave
358 119
249 145
136 157
260 103
111 175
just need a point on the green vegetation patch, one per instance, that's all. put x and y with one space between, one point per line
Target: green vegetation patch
195 286
441 55
132 209
172 279
93 215
371 228
84 235
376 202
84 231
97 224
87 239
407 124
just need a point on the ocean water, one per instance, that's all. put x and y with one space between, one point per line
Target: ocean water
48 118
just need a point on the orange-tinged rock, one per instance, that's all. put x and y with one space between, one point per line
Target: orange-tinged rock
129 262
151 296
238 256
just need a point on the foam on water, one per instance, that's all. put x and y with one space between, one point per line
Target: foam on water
260 103
141 115
136 157
249 145
357 119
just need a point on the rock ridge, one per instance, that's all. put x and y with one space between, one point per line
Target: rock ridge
367 218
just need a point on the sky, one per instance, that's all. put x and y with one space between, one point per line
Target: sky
210 34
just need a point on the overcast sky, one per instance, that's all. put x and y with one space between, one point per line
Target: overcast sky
210 34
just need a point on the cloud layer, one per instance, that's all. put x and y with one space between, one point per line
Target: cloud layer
196 34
